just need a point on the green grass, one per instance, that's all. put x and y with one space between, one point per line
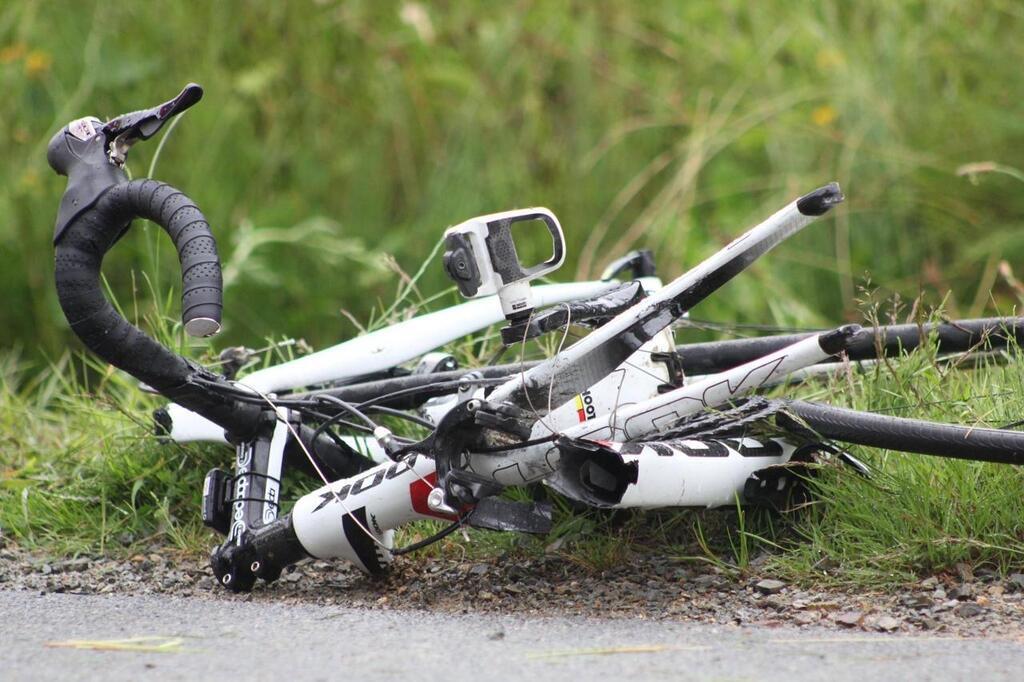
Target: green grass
81 471
918 514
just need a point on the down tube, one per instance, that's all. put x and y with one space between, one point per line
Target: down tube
697 473
355 518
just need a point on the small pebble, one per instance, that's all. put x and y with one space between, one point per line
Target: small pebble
969 610
770 586
1015 582
850 619
706 580
806 617
887 624
962 592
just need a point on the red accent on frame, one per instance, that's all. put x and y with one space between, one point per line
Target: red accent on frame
418 491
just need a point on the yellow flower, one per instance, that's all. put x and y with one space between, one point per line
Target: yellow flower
37 63
12 52
824 115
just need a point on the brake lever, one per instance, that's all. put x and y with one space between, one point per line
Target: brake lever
122 132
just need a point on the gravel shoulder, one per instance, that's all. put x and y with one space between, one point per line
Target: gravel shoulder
647 587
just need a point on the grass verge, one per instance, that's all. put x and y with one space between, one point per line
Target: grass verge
81 474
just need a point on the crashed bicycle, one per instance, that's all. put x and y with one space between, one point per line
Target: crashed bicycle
621 417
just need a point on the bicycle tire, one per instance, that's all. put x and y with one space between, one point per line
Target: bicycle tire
952 336
953 441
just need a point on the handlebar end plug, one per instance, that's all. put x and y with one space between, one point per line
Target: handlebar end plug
201 327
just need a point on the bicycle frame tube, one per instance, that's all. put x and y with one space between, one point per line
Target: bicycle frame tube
377 351
692 472
591 358
527 465
354 518
385 348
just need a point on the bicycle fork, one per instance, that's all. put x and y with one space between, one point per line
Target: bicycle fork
239 505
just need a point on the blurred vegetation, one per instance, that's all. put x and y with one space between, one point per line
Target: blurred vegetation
333 134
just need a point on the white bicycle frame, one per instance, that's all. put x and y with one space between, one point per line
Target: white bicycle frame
595 421
381 350
688 473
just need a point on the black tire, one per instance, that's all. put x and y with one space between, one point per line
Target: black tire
953 336
910 435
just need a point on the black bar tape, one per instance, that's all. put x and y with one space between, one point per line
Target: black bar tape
201 288
79 257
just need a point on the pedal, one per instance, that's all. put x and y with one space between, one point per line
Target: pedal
217 501
480 257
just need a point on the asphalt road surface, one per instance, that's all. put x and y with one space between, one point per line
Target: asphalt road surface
234 639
